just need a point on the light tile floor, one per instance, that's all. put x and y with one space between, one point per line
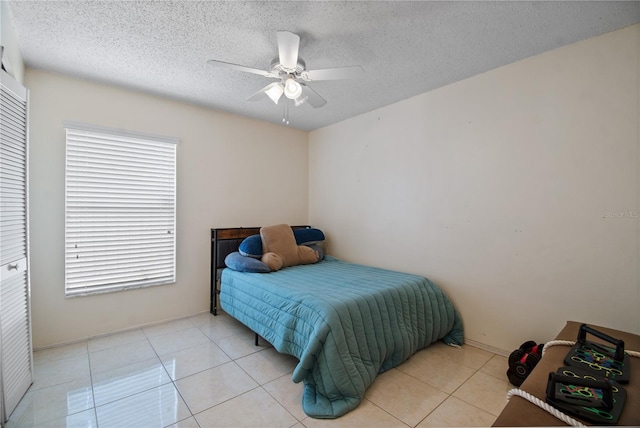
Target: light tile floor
205 371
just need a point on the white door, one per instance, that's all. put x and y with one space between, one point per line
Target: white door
15 329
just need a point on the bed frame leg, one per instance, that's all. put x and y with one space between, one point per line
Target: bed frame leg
257 339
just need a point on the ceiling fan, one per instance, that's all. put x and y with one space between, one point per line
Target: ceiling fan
292 75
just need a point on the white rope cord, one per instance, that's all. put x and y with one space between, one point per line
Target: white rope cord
552 410
538 402
556 343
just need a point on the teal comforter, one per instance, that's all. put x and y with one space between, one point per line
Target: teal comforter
344 322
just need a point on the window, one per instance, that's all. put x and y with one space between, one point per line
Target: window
120 213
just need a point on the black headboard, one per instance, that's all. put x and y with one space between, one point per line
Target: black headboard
223 242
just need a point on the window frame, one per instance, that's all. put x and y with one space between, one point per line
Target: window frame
119 147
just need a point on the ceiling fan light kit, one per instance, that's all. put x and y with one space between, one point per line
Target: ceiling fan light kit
292 89
290 69
274 91
300 100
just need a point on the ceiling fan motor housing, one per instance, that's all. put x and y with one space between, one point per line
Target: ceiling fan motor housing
281 71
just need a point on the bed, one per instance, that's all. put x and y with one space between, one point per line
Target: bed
344 322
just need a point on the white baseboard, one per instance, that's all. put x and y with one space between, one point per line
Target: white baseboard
111 333
486 347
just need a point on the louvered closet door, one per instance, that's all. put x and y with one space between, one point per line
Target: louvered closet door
15 329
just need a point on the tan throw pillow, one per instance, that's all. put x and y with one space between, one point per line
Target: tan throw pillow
280 248
272 260
307 255
279 239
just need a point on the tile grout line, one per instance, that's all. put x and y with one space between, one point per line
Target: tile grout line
450 395
173 382
231 360
93 390
479 370
261 386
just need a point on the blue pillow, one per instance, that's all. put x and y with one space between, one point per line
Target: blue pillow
308 236
237 261
251 247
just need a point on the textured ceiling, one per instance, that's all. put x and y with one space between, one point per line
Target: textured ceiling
405 48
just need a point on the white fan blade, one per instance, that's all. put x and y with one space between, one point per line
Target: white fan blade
314 100
240 68
333 73
288 44
273 91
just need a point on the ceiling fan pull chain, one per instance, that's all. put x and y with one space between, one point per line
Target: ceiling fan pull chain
285 113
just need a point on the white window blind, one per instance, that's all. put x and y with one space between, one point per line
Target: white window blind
120 210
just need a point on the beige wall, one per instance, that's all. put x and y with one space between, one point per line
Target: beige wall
517 191
223 165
